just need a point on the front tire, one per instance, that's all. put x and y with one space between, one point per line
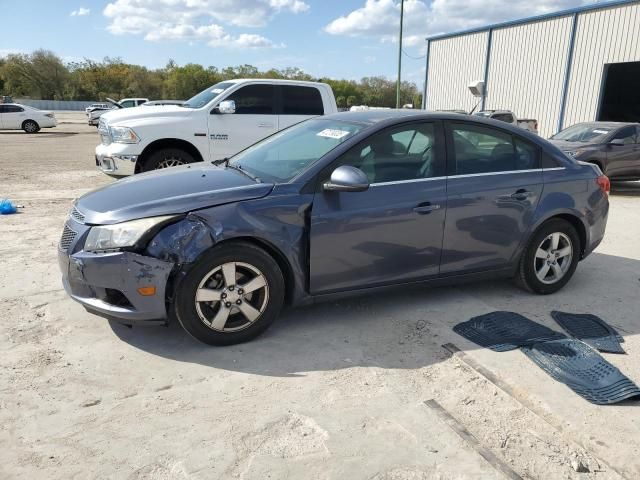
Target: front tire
232 295
550 258
30 126
167 158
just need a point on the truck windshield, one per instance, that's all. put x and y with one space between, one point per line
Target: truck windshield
204 97
583 132
282 156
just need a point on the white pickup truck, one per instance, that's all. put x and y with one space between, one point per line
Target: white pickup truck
215 124
509 117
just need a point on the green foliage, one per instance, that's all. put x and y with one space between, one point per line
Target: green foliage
42 74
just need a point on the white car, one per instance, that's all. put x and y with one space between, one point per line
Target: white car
14 116
215 124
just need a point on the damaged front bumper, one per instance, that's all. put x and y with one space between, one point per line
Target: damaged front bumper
110 284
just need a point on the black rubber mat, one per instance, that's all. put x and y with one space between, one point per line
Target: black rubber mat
590 329
582 369
504 331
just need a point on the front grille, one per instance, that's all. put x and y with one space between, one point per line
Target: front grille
76 215
68 236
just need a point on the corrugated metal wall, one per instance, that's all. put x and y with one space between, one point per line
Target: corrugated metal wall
526 70
528 62
71 105
603 36
453 64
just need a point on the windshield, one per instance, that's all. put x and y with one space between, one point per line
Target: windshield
204 97
583 132
282 156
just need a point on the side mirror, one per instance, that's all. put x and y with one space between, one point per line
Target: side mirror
617 141
226 107
347 179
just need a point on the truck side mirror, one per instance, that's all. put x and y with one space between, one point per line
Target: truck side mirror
226 107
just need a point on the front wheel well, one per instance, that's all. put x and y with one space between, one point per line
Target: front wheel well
167 143
279 257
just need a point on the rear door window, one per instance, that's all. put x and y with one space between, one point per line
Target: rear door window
254 100
299 100
628 135
478 149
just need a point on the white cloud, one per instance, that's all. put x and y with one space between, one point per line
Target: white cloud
81 12
380 18
198 20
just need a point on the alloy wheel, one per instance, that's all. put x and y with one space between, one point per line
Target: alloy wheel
168 162
553 258
232 296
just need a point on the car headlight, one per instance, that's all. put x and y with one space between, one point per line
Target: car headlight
124 135
126 234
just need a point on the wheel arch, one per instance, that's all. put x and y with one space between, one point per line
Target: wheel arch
574 220
167 143
277 255
29 120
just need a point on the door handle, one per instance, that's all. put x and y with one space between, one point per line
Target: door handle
266 125
520 195
425 208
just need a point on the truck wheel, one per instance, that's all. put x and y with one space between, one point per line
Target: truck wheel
30 126
231 295
550 258
166 158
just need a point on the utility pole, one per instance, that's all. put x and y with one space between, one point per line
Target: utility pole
399 56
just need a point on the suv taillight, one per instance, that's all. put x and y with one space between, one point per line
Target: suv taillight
604 183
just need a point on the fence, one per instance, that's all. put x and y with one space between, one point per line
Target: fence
54 104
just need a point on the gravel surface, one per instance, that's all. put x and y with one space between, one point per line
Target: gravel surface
332 391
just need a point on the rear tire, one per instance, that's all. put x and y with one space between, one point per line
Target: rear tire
211 303
166 158
30 126
550 258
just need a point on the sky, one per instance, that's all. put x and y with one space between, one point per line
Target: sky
335 38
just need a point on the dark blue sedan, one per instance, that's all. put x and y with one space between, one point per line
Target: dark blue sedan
349 202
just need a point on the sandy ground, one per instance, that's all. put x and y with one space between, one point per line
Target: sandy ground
332 391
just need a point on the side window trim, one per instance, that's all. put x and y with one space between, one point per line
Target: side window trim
451 170
439 155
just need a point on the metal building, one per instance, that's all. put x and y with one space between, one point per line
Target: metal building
562 68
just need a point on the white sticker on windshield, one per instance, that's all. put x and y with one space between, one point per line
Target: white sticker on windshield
601 131
332 133
217 90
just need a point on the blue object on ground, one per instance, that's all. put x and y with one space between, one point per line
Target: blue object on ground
6 207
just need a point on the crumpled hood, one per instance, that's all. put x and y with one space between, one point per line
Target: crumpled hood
168 191
115 117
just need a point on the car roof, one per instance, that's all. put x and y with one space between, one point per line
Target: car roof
608 124
280 81
370 117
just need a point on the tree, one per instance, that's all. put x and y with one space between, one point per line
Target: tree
40 74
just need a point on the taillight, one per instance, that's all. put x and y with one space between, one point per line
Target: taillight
604 183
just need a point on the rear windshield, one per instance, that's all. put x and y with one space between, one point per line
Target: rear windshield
583 132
